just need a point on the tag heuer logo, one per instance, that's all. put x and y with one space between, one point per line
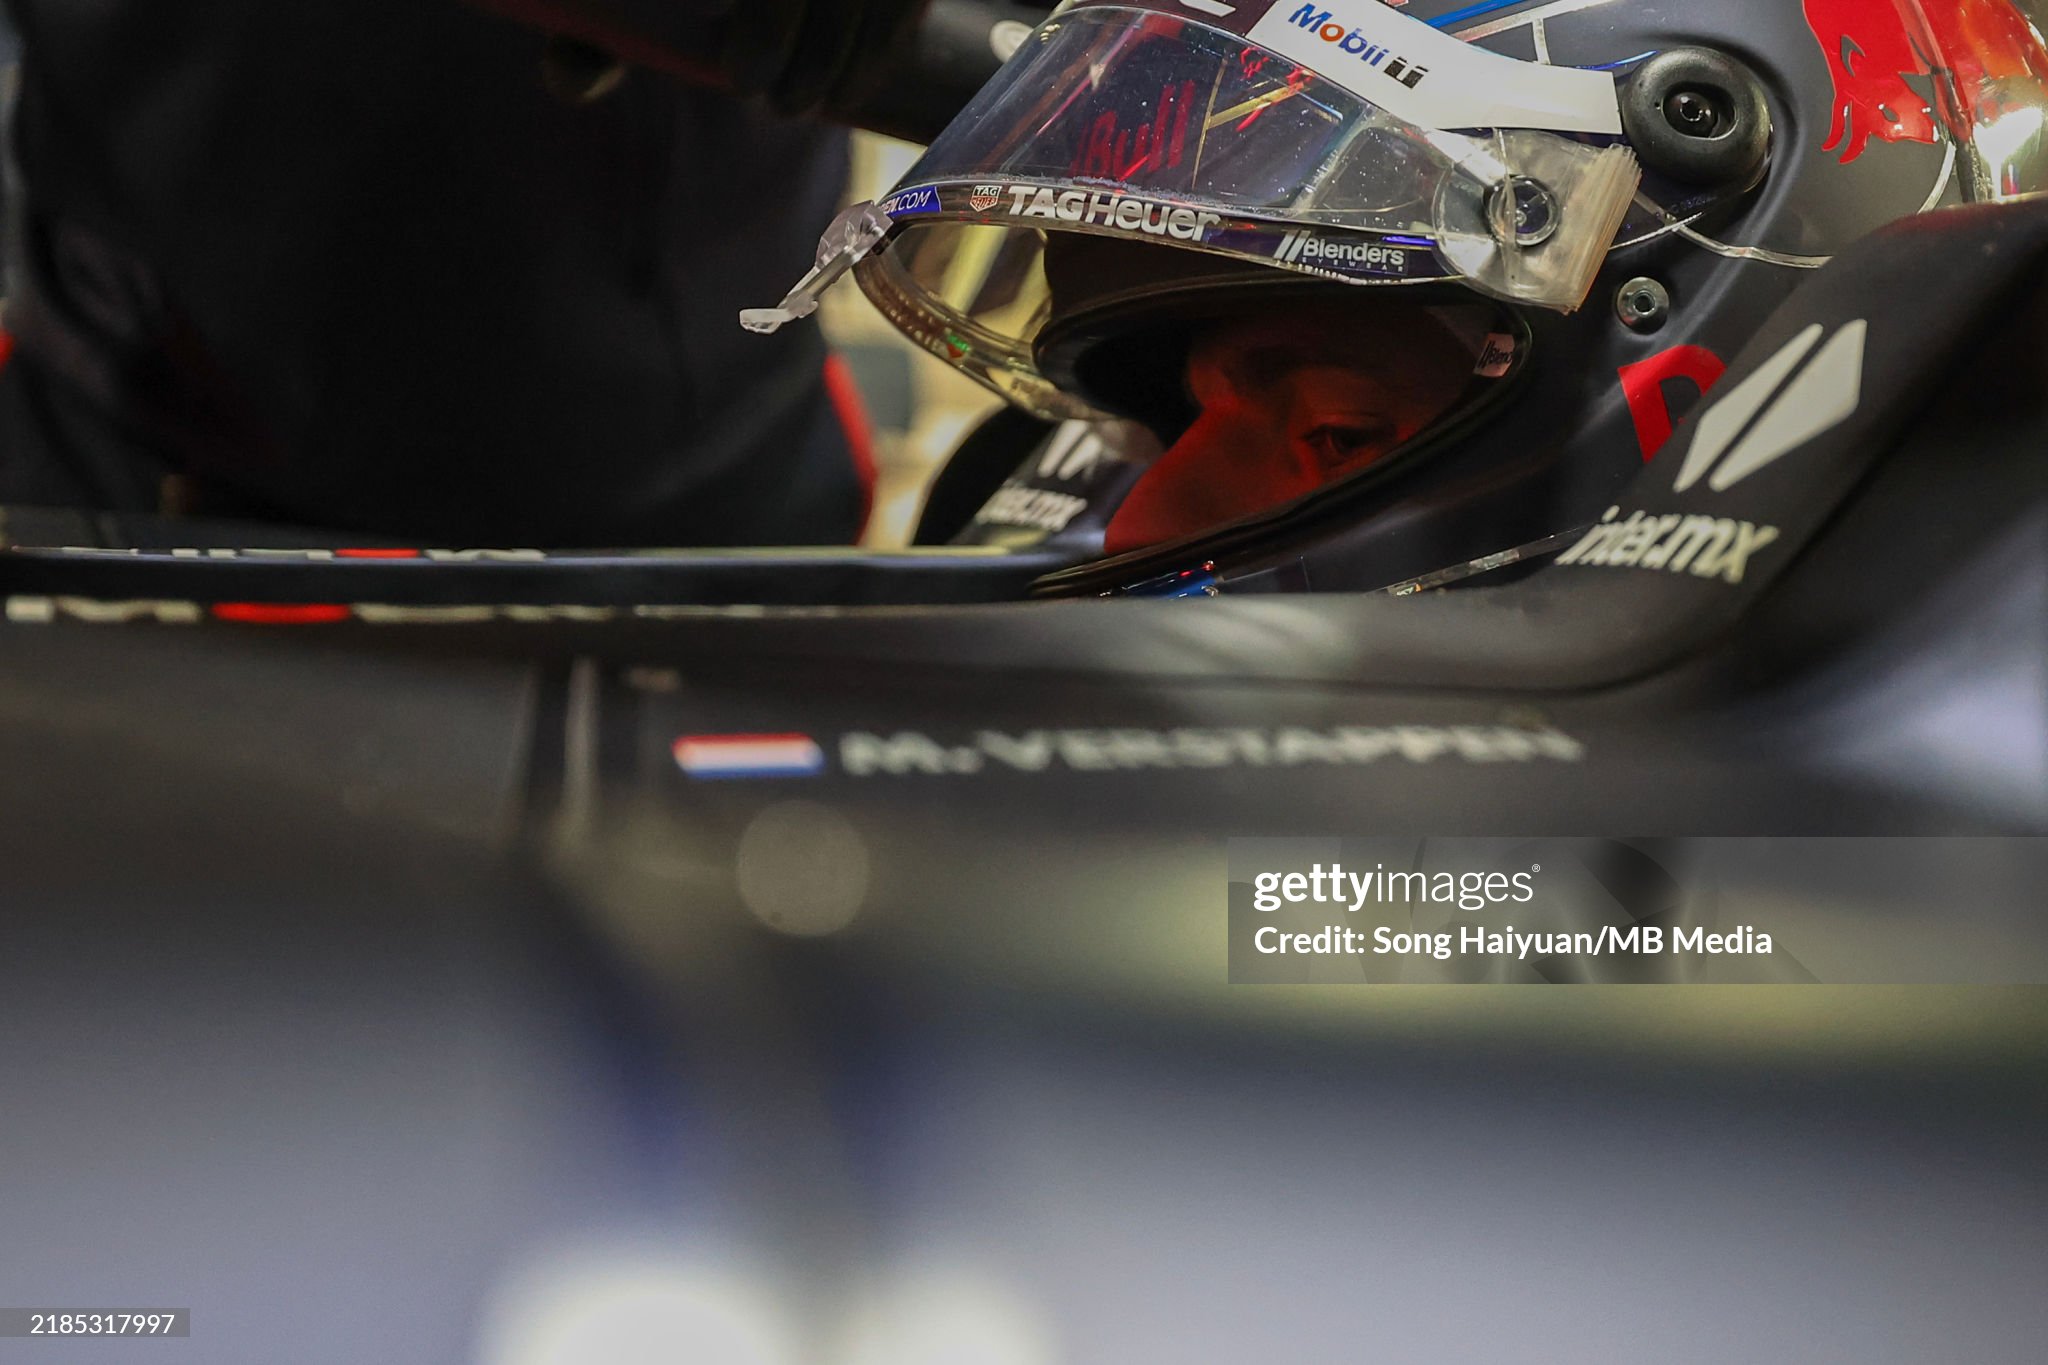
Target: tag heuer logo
985 197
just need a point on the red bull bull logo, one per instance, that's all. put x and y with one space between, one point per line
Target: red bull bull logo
1155 146
1903 70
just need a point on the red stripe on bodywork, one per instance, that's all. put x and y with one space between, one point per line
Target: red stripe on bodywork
281 613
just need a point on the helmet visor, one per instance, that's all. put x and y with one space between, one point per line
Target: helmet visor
1294 144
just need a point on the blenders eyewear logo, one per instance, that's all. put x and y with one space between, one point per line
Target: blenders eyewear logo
1496 356
1352 43
1312 250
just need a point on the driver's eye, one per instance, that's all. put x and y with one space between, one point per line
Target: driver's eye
1339 445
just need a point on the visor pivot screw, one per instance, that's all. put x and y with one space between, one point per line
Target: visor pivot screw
1694 113
1526 214
1642 304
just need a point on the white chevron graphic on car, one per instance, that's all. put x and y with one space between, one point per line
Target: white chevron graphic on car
1823 396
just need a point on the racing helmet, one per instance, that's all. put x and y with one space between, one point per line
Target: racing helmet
1600 200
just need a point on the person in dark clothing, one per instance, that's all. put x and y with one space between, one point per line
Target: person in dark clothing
405 268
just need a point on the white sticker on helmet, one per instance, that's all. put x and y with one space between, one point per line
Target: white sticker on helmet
1430 78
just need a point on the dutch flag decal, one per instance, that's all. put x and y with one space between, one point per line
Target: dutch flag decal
708 757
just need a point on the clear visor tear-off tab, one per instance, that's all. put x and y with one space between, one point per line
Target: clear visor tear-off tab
1529 216
852 236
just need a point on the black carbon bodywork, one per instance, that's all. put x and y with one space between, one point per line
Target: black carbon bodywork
367 941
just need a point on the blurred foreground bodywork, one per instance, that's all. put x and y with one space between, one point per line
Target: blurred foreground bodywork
515 972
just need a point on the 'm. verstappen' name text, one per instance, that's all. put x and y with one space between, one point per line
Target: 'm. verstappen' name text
907 754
